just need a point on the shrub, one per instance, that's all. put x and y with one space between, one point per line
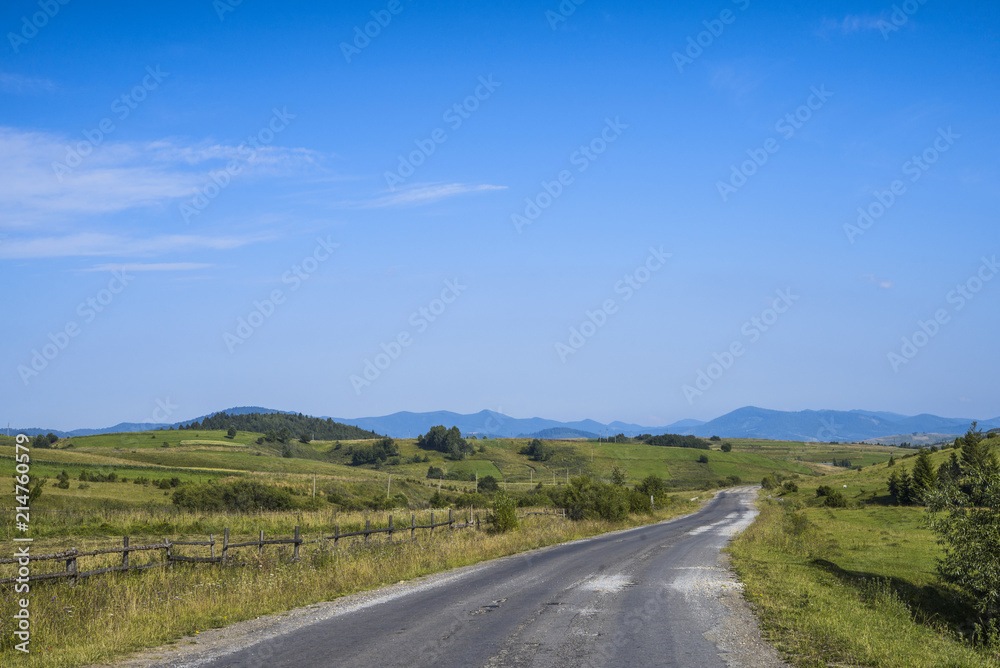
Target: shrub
584 498
727 447
504 513
835 500
488 484
789 486
435 472
768 482
703 459
239 495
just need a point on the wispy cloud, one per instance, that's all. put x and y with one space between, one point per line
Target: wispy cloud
421 194
882 283
116 176
158 266
18 84
96 244
852 23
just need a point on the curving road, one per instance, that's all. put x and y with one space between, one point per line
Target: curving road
652 596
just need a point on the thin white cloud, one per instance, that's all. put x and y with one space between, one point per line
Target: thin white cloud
422 194
852 23
97 244
882 283
158 266
17 84
46 177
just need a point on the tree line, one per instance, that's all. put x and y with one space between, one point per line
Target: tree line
283 427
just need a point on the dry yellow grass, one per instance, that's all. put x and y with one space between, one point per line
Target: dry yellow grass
107 616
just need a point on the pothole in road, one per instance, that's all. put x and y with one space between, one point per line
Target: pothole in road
487 608
608 583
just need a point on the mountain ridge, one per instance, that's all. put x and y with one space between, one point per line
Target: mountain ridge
745 422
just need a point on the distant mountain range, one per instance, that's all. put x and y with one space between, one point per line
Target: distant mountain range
747 422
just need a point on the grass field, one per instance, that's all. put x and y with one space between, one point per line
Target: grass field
855 586
97 619
104 617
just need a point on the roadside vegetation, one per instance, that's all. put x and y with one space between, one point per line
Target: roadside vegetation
896 564
184 484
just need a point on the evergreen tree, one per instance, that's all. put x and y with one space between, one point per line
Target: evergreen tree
924 476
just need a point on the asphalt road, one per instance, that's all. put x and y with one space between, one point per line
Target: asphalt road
650 596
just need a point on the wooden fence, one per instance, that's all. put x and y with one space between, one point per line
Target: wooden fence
74 574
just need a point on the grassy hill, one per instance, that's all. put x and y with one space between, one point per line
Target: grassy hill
149 465
858 585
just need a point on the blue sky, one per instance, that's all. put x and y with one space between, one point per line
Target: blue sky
640 213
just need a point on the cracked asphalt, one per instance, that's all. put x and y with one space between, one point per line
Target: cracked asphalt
657 595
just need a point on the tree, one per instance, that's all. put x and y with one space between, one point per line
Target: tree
40 442
618 476
652 485
36 491
900 487
949 470
63 479
703 459
448 441
231 433
488 484
52 437
538 451
305 438
966 516
435 472
976 453
727 446
923 477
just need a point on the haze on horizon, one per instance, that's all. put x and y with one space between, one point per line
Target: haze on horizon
643 213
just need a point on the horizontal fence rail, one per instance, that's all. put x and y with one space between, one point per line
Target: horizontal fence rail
72 572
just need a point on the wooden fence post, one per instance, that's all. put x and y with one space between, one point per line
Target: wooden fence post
225 544
368 527
298 541
413 526
211 545
71 567
125 552
432 522
167 542
260 544
390 528
450 520
336 534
